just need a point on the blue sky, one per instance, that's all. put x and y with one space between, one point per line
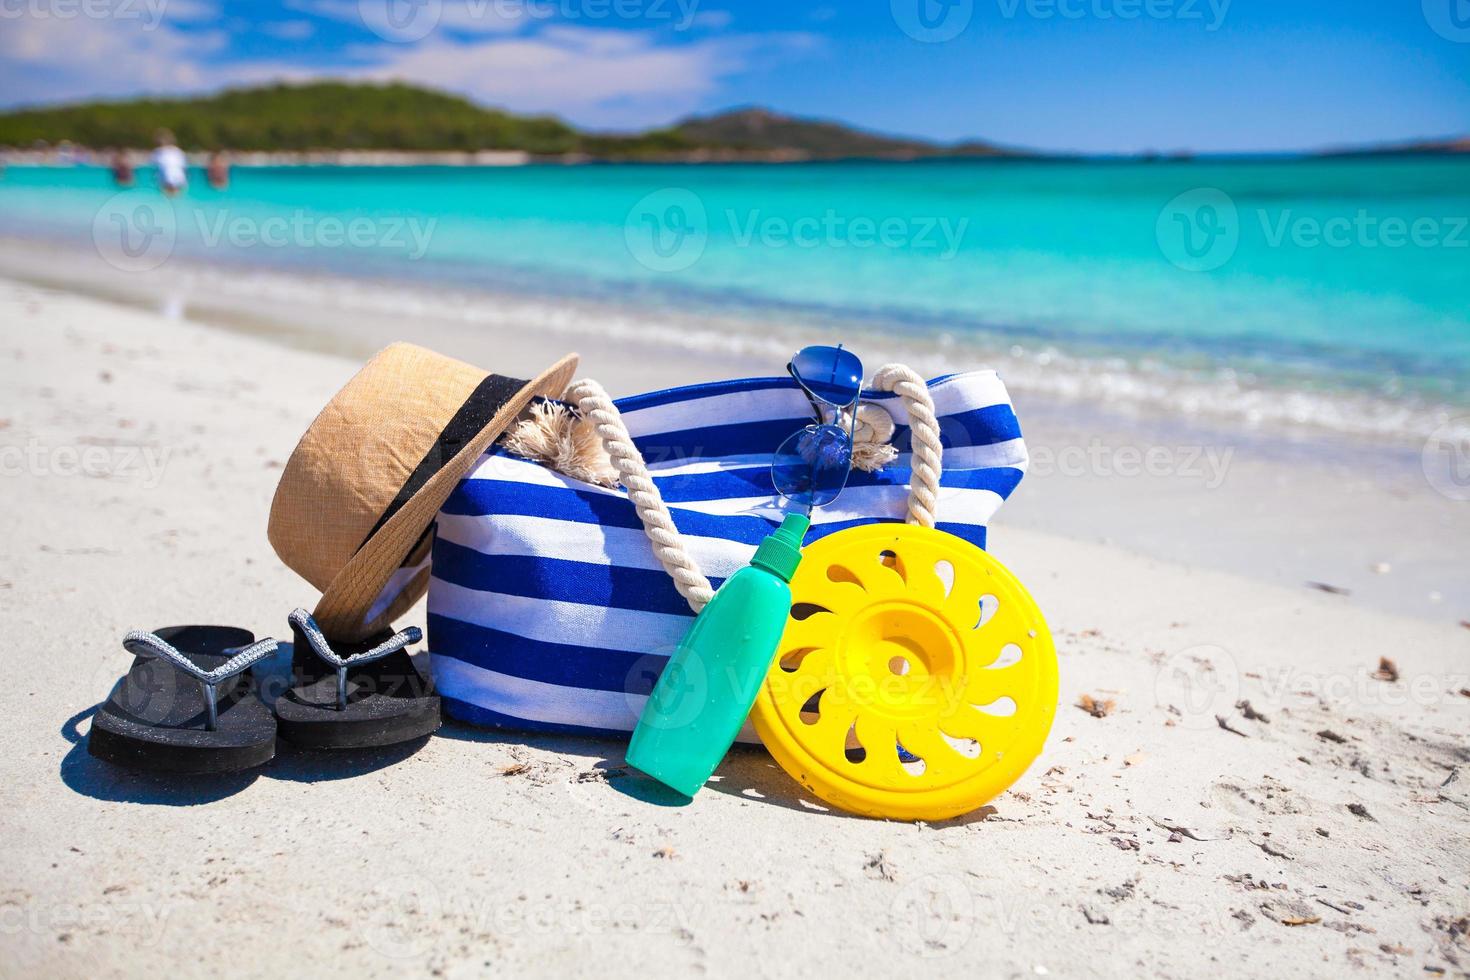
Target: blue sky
1089 75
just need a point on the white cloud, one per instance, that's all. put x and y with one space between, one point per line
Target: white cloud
182 11
593 76
289 30
465 16
47 59
713 20
482 16
602 78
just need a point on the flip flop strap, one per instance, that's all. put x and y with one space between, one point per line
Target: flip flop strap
146 644
307 626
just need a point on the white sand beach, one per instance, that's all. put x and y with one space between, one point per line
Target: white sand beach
1287 813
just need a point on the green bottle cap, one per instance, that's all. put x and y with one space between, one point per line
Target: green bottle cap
780 552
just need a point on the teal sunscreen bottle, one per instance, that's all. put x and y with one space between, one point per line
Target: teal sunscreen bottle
707 689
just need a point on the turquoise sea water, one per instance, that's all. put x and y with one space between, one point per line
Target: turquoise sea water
1305 276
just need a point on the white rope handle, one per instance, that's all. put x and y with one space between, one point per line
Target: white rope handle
668 544
924 428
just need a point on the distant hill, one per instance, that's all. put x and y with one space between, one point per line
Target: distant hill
763 131
322 115
398 117
1449 146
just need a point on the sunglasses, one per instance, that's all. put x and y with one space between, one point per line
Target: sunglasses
811 466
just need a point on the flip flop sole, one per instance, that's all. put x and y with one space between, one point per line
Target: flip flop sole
122 743
154 718
309 726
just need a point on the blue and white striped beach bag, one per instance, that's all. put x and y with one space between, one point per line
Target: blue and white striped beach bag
548 609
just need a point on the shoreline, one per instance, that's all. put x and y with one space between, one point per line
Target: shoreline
89 157
1131 382
1352 513
1318 832
78 155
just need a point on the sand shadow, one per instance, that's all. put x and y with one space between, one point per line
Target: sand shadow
298 765
89 776
645 789
749 772
605 756
565 744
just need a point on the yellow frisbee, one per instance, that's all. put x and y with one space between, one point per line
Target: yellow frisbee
916 678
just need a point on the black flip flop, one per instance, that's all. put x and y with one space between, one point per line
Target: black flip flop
188 705
354 696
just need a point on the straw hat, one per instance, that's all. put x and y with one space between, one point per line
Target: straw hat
356 500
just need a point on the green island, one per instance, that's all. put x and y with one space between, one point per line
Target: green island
329 121
342 116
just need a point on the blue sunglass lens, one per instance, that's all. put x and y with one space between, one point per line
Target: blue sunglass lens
831 374
811 466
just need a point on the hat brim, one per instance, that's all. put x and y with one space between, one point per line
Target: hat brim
357 602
